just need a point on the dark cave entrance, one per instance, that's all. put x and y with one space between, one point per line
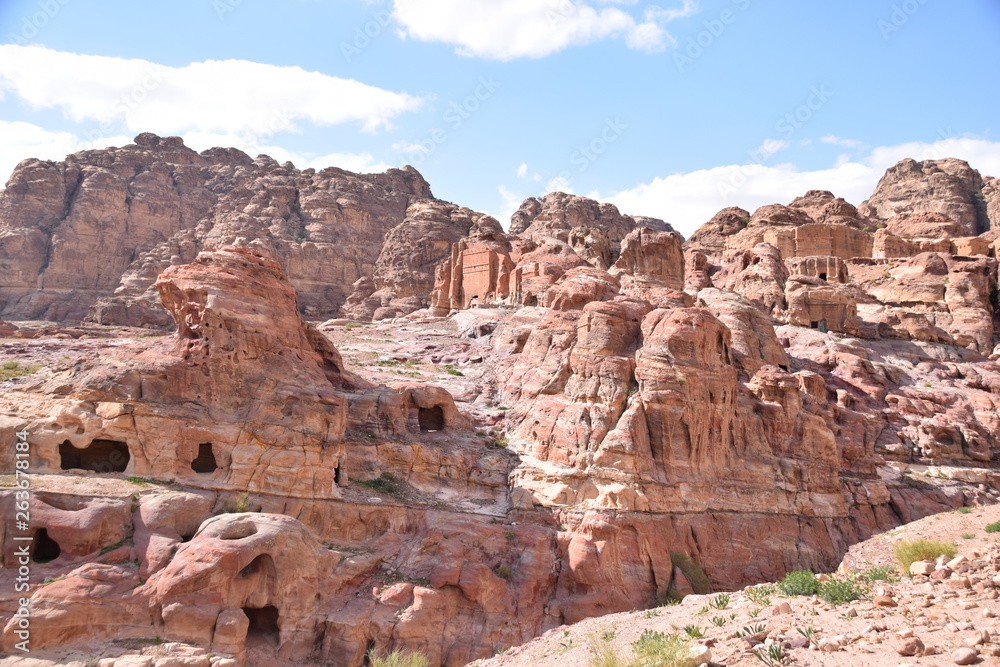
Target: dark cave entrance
205 462
431 419
822 276
98 456
263 629
44 548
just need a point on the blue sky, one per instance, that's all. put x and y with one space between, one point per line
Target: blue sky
672 110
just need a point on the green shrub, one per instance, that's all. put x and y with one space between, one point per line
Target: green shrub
910 551
800 582
993 527
386 484
398 659
965 509
838 591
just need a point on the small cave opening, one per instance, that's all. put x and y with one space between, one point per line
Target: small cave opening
263 629
822 276
44 548
262 564
333 373
339 478
205 462
431 419
945 440
98 456
187 537
531 300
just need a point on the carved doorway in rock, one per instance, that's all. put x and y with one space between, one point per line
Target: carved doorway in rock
43 548
98 456
205 462
431 419
264 630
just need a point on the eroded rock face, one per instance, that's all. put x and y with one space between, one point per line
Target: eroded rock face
950 297
260 564
405 271
102 225
617 425
711 237
243 375
816 304
948 187
594 230
816 224
652 259
758 274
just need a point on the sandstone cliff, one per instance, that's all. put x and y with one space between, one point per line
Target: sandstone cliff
93 232
572 417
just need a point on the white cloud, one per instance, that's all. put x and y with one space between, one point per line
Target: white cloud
227 96
510 29
688 200
20 140
840 141
560 184
408 147
522 171
511 202
769 147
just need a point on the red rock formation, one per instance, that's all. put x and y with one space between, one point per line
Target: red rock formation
652 259
830 269
816 304
103 224
405 271
888 245
758 274
643 422
711 237
948 187
592 229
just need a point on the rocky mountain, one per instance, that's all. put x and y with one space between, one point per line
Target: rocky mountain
518 430
92 233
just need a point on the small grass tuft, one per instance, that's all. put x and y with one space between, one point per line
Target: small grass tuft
238 505
993 527
398 659
910 551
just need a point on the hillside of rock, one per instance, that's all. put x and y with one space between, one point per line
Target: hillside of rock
91 234
377 421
